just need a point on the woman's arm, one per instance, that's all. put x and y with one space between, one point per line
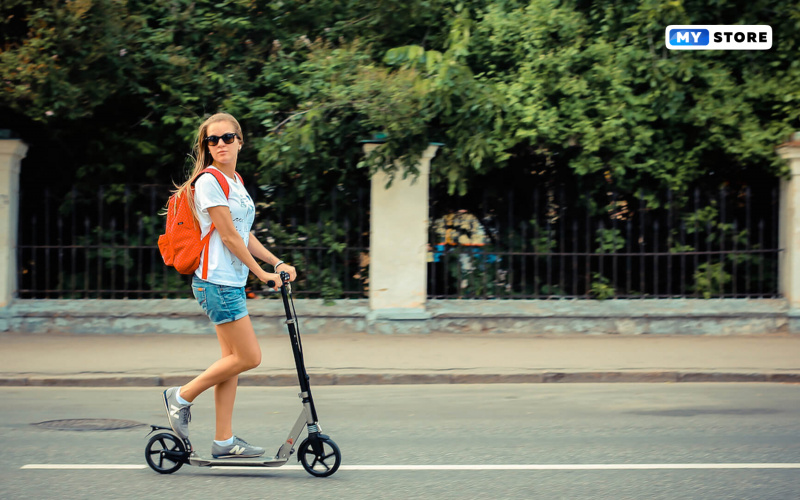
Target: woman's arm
261 252
223 222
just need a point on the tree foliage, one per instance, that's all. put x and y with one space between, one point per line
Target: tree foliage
114 89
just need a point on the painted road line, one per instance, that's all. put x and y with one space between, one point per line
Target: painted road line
574 467
83 466
507 467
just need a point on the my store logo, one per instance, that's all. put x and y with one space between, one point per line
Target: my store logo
718 37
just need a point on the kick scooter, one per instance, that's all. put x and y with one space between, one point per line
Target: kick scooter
166 452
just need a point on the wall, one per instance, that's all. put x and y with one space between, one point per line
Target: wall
529 317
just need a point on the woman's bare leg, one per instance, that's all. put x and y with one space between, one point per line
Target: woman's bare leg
224 397
240 352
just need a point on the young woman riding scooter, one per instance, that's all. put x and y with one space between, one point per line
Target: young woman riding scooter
231 256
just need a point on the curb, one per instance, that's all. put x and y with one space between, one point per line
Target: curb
284 380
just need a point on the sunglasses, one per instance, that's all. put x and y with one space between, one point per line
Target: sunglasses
213 140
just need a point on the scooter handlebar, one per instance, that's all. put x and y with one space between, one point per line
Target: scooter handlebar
284 277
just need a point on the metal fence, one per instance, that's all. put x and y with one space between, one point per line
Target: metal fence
105 245
543 244
547 244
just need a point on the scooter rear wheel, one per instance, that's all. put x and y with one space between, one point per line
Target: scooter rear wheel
156 456
322 461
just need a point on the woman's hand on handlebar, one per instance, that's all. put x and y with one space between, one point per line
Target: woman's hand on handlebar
286 268
275 278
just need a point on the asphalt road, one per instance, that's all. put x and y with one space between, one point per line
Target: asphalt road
581 441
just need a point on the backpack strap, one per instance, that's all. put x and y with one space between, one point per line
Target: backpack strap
226 189
221 178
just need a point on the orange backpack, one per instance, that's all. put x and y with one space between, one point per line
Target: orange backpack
181 245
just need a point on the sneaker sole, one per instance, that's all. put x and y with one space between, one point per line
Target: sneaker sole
169 419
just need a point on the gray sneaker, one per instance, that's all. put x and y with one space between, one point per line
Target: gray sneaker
179 415
239 449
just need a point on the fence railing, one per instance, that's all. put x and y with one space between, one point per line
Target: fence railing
328 242
542 244
105 246
546 244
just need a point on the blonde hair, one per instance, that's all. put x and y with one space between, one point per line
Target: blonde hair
202 156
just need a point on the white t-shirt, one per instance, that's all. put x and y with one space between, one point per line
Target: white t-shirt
224 268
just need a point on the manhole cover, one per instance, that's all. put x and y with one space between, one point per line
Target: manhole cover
88 424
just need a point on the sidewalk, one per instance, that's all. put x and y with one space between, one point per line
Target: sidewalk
359 359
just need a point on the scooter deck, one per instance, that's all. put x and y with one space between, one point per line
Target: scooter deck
235 462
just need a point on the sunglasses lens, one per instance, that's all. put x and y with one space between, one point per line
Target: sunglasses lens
213 140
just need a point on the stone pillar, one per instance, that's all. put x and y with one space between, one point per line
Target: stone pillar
789 231
12 151
398 243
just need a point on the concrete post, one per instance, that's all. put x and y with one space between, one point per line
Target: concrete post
789 231
12 151
399 242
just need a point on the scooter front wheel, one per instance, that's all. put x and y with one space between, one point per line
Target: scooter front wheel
161 453
320 456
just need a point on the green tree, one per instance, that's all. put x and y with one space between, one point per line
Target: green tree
589 86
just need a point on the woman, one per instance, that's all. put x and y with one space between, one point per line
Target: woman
232 254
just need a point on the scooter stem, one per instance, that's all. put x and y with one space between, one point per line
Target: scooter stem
297 348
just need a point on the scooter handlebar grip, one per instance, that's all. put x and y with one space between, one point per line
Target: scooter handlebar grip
271 284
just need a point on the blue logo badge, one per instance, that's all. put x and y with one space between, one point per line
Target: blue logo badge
685 37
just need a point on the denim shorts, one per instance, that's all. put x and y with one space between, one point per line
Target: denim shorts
221 303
